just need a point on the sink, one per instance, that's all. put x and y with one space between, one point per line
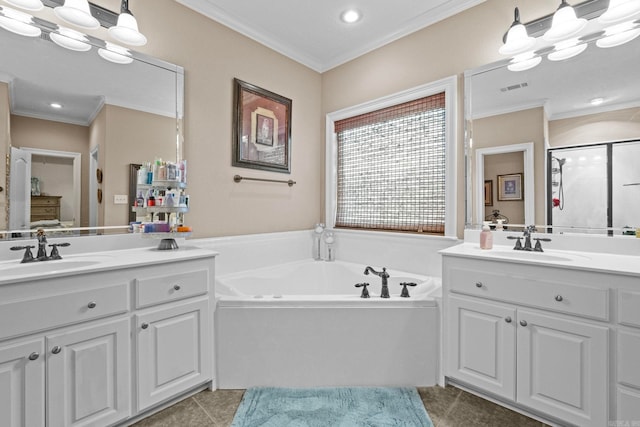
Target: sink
539 256
44 267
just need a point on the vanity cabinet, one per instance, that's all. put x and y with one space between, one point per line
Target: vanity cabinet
524 334
98 348
628 355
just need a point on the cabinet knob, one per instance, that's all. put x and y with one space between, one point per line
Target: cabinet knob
478 284
559 298
523 323
145 325
34 355
176 287
57 349
507 319
92 304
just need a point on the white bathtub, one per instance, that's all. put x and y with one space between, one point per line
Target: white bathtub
303 324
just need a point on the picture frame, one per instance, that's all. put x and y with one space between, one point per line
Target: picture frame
261 129
510 187
488 192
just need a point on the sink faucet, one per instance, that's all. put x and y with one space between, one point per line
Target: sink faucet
42 245
42 249
384 276
527 240
527 237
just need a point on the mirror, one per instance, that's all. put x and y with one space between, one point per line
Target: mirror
109 115
549 109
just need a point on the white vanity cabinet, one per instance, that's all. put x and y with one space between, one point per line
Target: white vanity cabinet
98 348
533 336
628 354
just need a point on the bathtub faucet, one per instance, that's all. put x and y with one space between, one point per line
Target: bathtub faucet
384 276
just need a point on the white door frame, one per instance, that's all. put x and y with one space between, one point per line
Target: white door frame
77 168
93 186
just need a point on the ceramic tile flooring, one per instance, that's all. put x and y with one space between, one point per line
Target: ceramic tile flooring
447 407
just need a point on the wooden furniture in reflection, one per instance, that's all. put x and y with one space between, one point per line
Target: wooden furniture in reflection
45 207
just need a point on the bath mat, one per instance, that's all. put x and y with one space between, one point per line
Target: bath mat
325 407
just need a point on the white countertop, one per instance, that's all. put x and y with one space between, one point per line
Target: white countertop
14 272
589 261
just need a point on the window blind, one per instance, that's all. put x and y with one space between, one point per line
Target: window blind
391 168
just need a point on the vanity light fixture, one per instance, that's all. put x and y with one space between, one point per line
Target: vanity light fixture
618 35
18 22
565 23
77 12
126 31
116 54
523 62
70 39
33 5
567 49
350 16
619 11
517 40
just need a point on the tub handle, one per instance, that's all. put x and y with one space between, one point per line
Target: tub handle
405 291
365 291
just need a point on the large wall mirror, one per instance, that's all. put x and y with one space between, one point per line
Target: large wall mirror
71 123
582 118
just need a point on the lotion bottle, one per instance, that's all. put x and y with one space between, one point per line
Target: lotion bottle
486 238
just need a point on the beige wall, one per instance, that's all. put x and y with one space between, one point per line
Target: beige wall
504 164
48 135
516 128
5 140
611 126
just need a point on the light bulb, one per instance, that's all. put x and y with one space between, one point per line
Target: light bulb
564 24
33 5
126 31
70 39
19 23
77 12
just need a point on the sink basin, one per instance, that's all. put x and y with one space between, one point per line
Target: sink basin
44 267
539 256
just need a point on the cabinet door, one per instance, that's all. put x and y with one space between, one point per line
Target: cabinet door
482 345
88 375
22 384
173 350
562 368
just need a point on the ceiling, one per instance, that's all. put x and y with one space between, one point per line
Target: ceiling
311 32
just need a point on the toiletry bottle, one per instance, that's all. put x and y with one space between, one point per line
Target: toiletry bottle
486 238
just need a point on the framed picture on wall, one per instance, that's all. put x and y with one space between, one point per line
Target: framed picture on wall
261 129
488 192
510 187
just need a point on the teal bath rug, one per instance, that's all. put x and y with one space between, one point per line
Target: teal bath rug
329 407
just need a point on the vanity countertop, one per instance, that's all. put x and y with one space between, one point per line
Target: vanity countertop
14 272
585 261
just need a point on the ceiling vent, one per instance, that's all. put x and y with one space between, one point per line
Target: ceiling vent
514 87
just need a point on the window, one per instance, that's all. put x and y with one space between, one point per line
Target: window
391 163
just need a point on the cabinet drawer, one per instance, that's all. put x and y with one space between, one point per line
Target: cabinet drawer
59 309
161 289
543 293
629 308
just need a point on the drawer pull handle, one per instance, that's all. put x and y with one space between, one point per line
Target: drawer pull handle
559 298
478 284
523 323
176 287
144 325
507 319
34 355
92 304
57 349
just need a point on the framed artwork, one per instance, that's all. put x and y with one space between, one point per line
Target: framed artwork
510 187
488 192
261 129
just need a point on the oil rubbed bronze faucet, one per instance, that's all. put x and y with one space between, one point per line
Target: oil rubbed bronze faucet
42 249
384 276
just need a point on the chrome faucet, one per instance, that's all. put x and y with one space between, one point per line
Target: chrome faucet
384 276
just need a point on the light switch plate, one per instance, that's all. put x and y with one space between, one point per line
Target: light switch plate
120 199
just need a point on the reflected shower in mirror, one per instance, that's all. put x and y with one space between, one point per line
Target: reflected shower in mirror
589 100
77 112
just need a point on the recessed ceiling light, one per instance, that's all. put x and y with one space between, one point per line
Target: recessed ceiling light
350 16
55 105
596 101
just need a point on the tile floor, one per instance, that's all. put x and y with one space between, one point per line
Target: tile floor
447 407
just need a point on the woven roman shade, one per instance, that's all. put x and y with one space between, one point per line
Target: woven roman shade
391 168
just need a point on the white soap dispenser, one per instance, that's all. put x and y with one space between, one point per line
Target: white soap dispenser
486 238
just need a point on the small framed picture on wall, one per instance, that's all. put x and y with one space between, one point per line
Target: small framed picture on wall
488 192
510 187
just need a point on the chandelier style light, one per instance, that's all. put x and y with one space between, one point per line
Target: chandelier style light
126 30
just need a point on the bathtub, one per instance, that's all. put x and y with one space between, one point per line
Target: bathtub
303 324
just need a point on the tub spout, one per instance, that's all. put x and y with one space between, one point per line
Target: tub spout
384 276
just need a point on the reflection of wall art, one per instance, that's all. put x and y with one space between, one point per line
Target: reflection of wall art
99 176
261 129
35 186
510 187
488 192
99 195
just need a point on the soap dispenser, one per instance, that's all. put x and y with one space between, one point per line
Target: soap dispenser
486 238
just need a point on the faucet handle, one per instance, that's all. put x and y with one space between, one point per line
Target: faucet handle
28 255
54 250
518 246
538 247
365 291
405 291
